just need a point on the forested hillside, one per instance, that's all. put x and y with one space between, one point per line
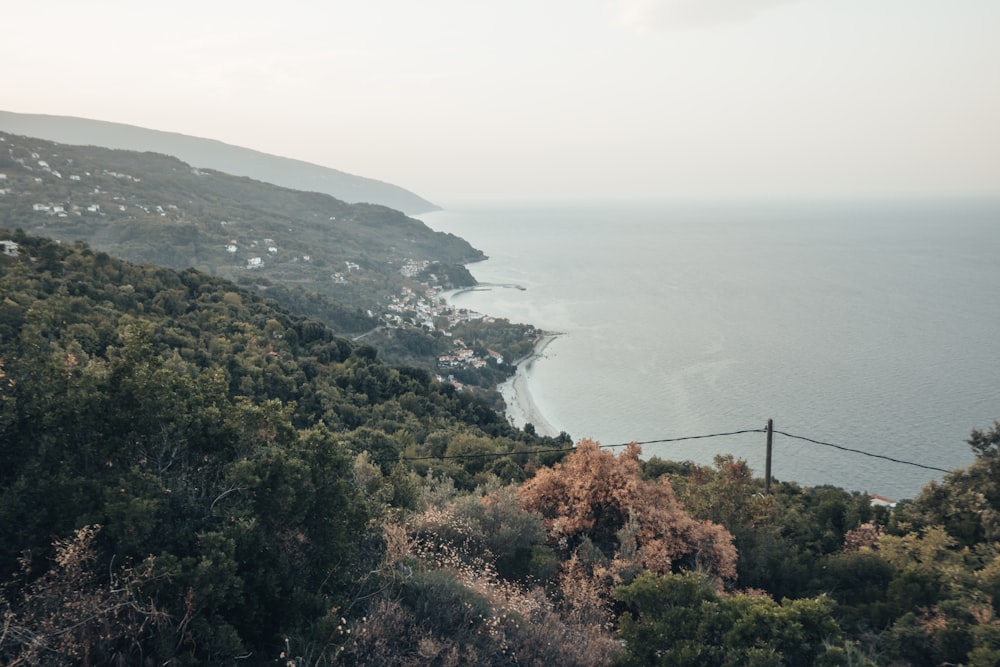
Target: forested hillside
362 269
214 438
194 475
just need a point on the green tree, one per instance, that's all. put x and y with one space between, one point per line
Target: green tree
681 619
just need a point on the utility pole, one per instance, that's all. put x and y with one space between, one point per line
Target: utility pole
767 465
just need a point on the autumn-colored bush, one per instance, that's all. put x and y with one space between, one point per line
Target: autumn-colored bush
596 495
865 536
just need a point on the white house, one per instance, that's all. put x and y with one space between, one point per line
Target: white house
881 501
253 261
8 248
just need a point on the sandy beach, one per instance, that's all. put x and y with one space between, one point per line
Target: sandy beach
516 392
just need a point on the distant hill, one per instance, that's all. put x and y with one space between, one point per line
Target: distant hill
152 207
211 154
365 270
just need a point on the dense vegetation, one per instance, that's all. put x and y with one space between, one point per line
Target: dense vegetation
203 427
194 475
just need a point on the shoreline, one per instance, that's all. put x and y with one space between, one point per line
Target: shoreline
519 405
521 408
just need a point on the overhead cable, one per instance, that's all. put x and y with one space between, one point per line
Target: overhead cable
864 453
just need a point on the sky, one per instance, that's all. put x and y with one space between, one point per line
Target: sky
463 101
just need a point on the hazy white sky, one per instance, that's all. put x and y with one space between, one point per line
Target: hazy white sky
461 100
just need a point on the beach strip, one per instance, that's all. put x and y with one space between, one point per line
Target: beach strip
516 391
521 408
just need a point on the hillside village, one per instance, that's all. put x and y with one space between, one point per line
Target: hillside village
69 197
429 309
422 307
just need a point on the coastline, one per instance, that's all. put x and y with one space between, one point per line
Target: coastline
520 407
516 391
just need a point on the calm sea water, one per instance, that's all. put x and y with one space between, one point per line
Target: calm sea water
871 326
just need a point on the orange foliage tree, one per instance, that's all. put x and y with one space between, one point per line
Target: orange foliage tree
597 496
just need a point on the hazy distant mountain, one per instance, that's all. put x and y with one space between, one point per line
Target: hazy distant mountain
211 154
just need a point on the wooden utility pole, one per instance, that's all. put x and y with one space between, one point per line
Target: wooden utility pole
767 465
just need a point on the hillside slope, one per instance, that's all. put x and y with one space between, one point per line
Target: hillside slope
360 268
212 436
211 154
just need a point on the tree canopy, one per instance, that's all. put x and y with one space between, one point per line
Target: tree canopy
195 475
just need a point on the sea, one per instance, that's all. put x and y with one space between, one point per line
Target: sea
869 332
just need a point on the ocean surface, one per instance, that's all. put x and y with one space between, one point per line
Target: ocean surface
872 326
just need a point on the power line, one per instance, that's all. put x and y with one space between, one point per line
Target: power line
686 437
858 451
482 455
486 455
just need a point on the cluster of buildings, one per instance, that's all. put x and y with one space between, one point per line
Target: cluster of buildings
413 267
427 309
64 211
125 177
60 211
340 276
44 166
463 356
270 246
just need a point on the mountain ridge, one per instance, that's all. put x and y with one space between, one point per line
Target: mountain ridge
213 154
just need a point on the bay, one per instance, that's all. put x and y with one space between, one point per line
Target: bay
868 325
